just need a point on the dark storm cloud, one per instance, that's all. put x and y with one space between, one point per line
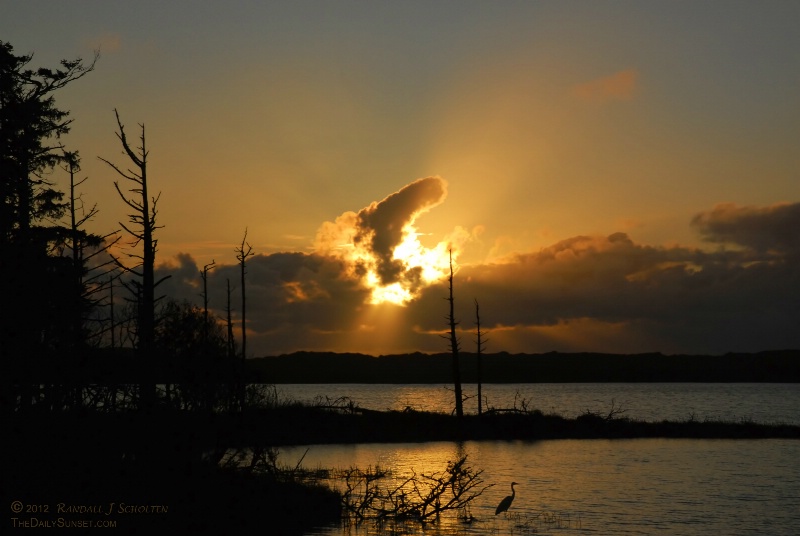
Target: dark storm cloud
677 299
290 296
181 278
763 229
585 293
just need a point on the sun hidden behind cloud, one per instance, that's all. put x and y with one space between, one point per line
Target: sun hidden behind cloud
380 247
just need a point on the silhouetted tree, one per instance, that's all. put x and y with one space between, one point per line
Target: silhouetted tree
34 281
480 346
77 242
30 144
111 317
454 348
87 280
90 271
242 253
231 341
195 350
204 276
142 229
231 344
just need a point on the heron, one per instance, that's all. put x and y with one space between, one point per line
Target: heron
505 503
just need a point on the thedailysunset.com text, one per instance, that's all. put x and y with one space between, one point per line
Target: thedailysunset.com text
61 523
35 515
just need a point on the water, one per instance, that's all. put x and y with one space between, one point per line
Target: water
759 402
628 486
631 486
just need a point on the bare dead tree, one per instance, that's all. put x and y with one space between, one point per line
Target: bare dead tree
231 348
480 346
454 348
141 227
244 251
204 276
77 255
112 389
111 311
77 246
230 339
89 269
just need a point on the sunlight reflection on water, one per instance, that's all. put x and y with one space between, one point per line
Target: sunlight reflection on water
635 486
631 486
758 402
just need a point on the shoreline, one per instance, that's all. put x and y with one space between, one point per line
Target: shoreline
172 458
298 424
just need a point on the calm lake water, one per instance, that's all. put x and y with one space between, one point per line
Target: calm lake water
629 486
759 402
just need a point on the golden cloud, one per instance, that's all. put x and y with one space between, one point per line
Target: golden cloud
618 86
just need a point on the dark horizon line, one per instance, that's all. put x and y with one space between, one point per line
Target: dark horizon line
547 353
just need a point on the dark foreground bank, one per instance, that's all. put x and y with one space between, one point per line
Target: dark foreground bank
365 426
163 471
156 474
194 433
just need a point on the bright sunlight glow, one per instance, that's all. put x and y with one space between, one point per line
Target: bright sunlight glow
432 265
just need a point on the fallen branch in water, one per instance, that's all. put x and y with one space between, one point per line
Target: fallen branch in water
418 497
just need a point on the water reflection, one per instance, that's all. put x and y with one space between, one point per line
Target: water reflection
758 402
636 486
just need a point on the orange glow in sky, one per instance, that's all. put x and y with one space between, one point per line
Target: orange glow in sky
608 175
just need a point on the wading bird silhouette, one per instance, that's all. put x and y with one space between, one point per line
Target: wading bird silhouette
505 503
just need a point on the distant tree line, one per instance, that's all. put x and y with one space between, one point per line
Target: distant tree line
780 366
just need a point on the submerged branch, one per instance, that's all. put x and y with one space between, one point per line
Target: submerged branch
418 497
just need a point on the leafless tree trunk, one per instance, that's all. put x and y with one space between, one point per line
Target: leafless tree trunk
480 343
142 222
77 250
111 311
112 397
231 342
204 275
86 281
242 253
454 348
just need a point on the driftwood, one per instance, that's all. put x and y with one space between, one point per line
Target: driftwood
421 497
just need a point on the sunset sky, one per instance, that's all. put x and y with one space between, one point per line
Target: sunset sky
611 176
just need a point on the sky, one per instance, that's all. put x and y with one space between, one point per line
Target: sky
608 176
